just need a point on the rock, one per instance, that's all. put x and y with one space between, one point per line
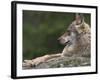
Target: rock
59 62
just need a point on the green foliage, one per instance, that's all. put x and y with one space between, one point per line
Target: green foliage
41 30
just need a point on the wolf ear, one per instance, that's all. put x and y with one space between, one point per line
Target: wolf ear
79 18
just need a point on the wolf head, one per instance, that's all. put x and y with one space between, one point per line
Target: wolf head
74 29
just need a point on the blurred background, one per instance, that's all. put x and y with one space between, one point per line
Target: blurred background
41 30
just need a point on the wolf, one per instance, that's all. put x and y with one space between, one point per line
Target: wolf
77 38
